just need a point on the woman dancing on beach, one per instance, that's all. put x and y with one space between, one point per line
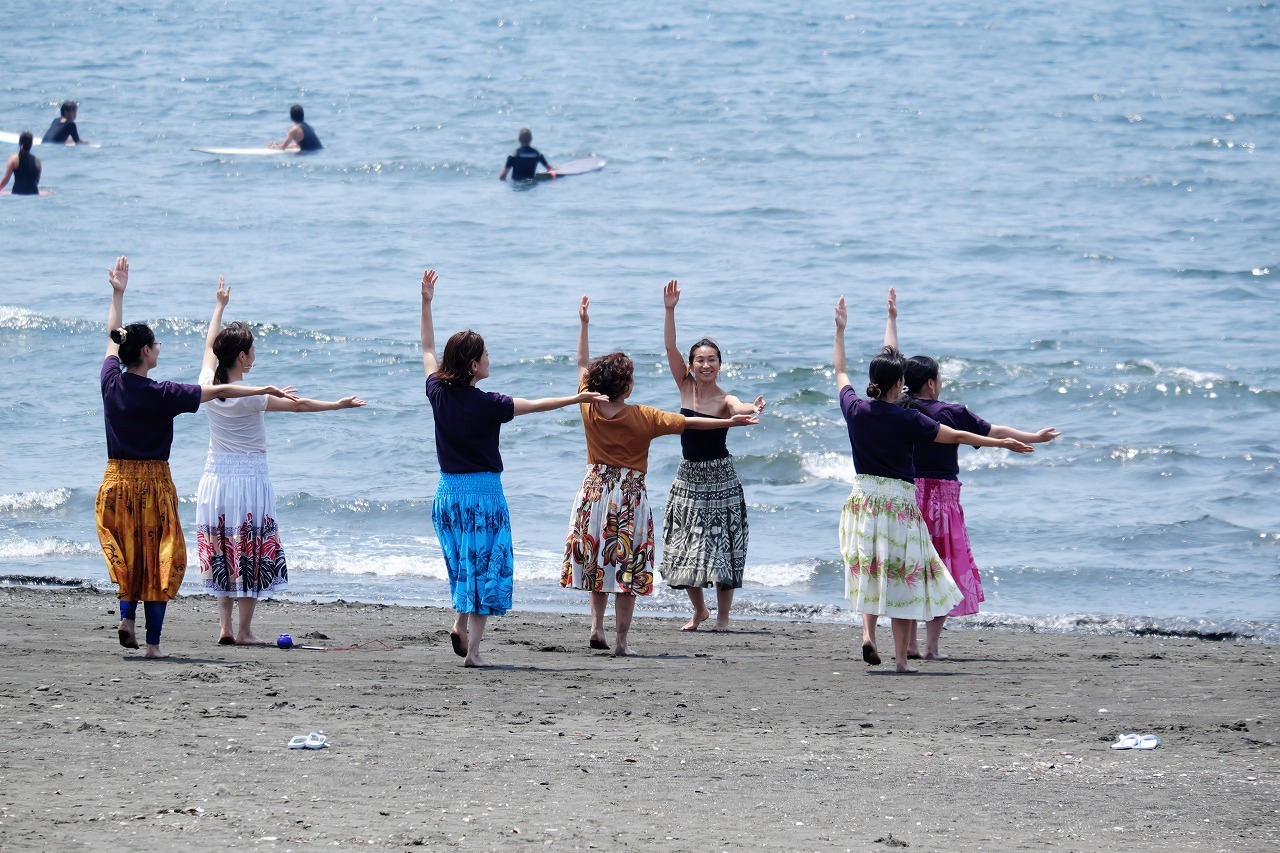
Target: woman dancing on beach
470 511
609 548
704 530
238 541
937 469
137 505
24 167
892 568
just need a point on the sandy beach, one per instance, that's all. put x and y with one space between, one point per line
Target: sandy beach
773 737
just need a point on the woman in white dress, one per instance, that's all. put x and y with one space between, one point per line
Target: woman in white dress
239 543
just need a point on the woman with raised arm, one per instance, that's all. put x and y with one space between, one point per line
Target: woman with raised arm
238 540
704 530
938 480
893 569
470 511
609 549
137 505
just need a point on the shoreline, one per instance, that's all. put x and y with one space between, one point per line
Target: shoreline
774 735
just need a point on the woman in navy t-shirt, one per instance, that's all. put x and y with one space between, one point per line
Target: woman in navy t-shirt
893 568
470 511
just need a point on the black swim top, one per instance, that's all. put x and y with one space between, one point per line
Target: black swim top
703 445
309 140
60 130
26 178
524 163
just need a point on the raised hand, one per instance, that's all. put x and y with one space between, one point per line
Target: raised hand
428 285
893 304
224 292
758 405
842 315
119 274
582 310
671 294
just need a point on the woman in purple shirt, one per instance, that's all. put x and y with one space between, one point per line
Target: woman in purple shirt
893 568
470 511
938 480
137 505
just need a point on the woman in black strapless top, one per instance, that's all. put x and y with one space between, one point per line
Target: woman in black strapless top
704 535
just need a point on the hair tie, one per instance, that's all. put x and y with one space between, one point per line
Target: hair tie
123 333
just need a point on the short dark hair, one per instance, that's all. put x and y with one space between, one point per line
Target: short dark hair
67 108
526 136
462 348
611 375
132 339
917 371
227 346
295 112
885 371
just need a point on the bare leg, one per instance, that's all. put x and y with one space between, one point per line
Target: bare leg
599 601
724 603
869 652
244 636
226 636
623 609
475 633
913 643
700 611
933 633
901 636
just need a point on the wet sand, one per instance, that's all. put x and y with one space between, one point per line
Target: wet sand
775 736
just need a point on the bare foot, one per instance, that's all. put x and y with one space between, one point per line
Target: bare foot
154 653
598 641
476 663
697 619
625 652
869 653
721 627
935 656
128 634
226 640
906 669
914 654
249 640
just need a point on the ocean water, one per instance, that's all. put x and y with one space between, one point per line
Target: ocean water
1077 202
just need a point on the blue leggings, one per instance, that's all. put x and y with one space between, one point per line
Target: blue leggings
155 617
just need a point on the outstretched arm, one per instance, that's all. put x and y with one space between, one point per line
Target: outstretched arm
1040 437
737 407
720 423
215 324
547 404
891 324
119 278
303 404
675 358
947 435
226 392
842 372
584 347
429 362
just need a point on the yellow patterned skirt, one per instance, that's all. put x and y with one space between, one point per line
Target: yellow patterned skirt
139 528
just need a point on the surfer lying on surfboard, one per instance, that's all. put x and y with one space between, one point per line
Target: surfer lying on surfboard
300 136
523 164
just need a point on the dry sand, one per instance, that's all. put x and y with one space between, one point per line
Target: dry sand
774 737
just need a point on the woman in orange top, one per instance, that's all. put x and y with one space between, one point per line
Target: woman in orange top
610 544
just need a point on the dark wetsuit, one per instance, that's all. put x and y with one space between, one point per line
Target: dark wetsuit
524 163
309 140
60 130
26 178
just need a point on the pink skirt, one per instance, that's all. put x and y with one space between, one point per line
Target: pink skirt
939 502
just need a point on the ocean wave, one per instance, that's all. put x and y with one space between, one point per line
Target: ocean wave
34 549
1176 627
23 502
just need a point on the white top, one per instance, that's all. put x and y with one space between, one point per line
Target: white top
235 426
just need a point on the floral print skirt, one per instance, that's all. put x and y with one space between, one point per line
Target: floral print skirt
610 543
704 530
139 528
473 524
939 502
236 533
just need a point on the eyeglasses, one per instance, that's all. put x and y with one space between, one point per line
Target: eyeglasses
155 344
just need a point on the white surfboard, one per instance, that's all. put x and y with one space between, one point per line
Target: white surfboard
12 139
247 152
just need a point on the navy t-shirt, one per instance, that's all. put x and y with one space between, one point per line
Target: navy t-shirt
941 461
309 140
467 424
60 130
139 412
883 435
524 163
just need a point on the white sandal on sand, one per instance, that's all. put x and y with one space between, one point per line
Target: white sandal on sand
1127 742
1147 742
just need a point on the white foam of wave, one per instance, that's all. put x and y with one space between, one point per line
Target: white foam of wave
11 315
33 549
381 565
27 501
782 574
828 466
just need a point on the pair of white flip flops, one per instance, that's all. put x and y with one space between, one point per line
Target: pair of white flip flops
315 740
1136 742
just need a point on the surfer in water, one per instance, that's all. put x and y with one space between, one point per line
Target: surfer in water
24 168
63 130
300 136
523 164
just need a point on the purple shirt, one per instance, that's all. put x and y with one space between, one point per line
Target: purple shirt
941 461
467 425
883 435
139 412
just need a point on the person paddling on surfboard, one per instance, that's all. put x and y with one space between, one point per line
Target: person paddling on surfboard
300 136
523 164
63 130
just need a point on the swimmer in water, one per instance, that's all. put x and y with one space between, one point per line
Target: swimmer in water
24 168
63 130
523 164
300 137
